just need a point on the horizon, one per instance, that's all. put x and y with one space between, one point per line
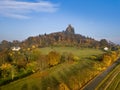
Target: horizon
21 19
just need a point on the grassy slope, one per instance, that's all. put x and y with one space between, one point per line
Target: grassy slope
71 74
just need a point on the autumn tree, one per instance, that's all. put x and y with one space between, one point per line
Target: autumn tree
54 58
107 59
5 70
42 62
31 67
114 56
63 86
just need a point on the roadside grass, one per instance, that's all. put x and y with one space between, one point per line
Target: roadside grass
115 83
118 85
72 75
109 82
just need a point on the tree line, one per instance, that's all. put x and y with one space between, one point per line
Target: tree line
64 38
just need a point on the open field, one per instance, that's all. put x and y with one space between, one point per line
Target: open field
111 81
69 75
81 52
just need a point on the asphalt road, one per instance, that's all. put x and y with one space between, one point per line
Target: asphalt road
94 83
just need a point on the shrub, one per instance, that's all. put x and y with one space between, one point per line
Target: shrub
5 70
54 58
107 60
93 57
63 86
76 58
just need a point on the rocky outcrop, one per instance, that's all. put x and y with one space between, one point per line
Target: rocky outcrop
70 30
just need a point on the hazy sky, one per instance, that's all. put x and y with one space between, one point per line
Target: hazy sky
98 19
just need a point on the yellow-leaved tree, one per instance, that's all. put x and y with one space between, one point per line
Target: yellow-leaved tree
63 86
5 69
107 60
54 58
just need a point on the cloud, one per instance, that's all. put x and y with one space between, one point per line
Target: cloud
22 9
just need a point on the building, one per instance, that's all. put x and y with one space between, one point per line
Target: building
15 48
106 48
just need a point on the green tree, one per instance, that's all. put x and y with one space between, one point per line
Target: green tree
42 62
103 43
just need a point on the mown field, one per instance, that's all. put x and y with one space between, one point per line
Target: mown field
81 52
65 76
111 81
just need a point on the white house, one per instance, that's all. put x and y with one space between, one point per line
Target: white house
16 48
106 48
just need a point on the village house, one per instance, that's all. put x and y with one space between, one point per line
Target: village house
106 48
15 48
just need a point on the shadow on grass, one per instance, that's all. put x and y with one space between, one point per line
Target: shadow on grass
34 87
24 87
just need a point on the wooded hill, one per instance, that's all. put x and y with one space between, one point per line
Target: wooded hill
67 37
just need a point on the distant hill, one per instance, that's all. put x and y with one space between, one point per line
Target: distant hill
68 37
64 38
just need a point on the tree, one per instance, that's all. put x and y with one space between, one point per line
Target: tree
54 58
114 56
31 67
103 43
42 62
5 70
63 86
107 59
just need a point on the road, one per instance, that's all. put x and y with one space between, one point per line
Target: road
94 83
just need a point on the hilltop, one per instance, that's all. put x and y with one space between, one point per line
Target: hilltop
67 37
64 38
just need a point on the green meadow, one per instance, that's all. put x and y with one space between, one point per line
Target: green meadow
81 52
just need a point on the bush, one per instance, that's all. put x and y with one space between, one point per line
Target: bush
93 57
107 60
63 86
54 58
5 81
76 58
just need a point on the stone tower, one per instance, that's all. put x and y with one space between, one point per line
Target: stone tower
70 30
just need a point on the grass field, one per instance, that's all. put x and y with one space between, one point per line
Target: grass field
111 81
72 75
81 52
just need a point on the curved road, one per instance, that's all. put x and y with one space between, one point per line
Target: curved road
94 83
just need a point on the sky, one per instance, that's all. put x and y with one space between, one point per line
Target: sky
99 19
